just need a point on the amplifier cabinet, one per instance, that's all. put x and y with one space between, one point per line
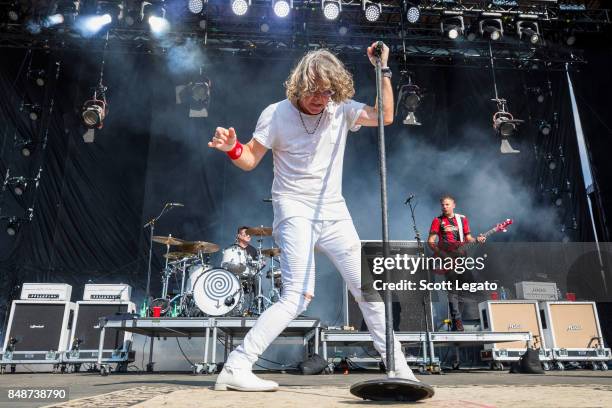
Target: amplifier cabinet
85 336
37 331
512 316
573 332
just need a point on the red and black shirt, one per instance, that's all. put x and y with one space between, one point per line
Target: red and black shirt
447 229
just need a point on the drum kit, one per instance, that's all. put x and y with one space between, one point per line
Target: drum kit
235 288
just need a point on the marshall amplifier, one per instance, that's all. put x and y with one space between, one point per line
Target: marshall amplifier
512 316
536 290
38 329
573 331
407 305
100 301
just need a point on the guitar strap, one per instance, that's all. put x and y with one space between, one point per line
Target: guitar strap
460 226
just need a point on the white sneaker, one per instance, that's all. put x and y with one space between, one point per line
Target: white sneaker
242 379
406 374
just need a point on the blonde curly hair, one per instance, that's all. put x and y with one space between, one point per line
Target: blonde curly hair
320 70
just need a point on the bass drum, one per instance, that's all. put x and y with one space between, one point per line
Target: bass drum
217 292
193 273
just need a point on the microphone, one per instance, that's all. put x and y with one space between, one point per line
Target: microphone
377 52
176 205
410 197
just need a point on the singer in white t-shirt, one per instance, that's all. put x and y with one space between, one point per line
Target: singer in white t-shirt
307 134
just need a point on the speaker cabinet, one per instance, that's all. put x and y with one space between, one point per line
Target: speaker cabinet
573 331
37 331
512 316
85 336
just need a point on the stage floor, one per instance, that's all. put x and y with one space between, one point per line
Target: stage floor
465 388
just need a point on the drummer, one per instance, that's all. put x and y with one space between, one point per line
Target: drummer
243 240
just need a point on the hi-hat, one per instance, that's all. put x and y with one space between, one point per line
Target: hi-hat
178 255
169 240
199 247
259 231
392 389
271 251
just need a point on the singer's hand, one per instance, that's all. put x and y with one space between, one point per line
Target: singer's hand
224 139
384 56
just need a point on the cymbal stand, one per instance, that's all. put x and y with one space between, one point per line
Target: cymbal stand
274 292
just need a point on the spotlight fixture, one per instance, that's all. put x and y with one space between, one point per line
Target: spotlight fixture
372 10
69 9
343 30
264 27
12 228
18 184
551 162
32 109
528 31
505 125
545 128
26 147
38 75
413 14
491 28
195 6
409 99
197 95
13 12
240 7
282 7
94 112
331 8
155 16
53 20
452 26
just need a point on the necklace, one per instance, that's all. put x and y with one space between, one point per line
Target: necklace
316 126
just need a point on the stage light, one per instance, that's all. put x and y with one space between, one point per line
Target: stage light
13 12
197 95
196 6
32 109
409 99
492 28
240 7
282 7
91 25
331 8
38 75
264 27
12 226
570 40
505 125
53 20
413 14
155 16
26 147
94 112
372 10
343 30
528 30
452 27
551 162
18 184
545 128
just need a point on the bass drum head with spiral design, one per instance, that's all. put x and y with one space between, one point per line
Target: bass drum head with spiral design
217 292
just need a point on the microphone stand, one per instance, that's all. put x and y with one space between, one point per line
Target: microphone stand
151 226
391 388
427 297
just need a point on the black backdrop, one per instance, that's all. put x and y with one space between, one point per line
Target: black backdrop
93 199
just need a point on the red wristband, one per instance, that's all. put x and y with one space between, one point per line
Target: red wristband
236 151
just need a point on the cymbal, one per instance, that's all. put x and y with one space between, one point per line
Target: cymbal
271 251
199 246
260 231
169 240
178 255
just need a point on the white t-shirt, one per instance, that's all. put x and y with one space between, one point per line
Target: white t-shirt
307 167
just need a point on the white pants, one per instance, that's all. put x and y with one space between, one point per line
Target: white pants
297 238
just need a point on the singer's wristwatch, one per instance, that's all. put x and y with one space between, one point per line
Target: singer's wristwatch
387 72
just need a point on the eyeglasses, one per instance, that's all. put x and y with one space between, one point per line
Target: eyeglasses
327 93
